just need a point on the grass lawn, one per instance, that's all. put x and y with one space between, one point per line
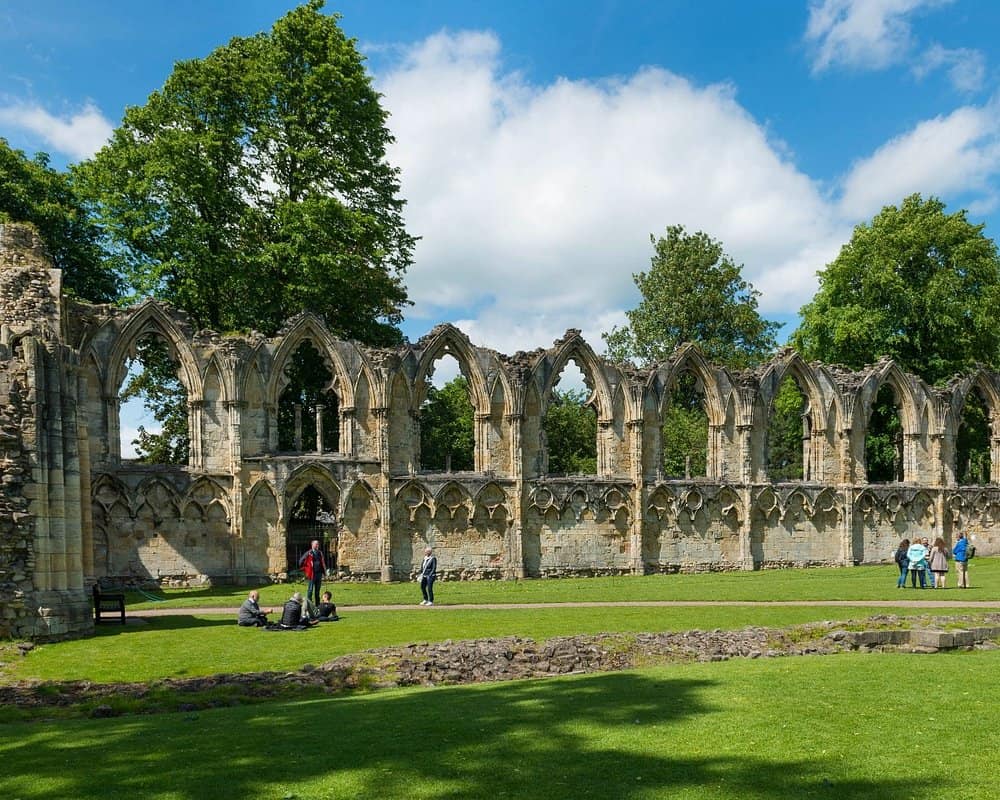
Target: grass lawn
853 584
188 646
840 727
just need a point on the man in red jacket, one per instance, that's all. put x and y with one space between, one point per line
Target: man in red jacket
314 565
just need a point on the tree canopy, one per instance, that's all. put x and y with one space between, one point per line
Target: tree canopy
916 284
693 292
32 191
447 428
571 433
254 185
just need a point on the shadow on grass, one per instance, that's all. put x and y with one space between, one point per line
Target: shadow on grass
614 735
170 622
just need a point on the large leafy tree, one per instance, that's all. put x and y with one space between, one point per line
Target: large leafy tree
447 432
693 292
571 433
32 191
916 284
254 185
919 285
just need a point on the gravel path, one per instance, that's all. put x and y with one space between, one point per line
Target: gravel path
984 604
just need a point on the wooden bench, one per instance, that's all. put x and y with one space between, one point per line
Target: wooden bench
108 603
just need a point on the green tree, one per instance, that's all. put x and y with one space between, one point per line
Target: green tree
693 292
447 428
164 395
255 185
32 191
916 284
921 286
784 433
571 433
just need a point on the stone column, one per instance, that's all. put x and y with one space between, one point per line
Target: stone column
744 434
234 410
86 509
605 447
482 437
634 432
319 427
847 527
195 412
384 542
911 471
112 408
516 499
348 419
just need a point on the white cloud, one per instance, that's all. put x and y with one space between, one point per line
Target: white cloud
956 153
535 203
862 34
78 136
966 68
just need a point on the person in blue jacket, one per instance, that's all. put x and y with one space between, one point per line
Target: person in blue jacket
960 552
917 555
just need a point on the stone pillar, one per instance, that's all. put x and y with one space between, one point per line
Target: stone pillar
196 410
716 465
319 427
384 542
911 469
744 436
112 408
482 437
847 554
86 509
234 410
605 447
348 421
848 473
516 553
634 429
944 473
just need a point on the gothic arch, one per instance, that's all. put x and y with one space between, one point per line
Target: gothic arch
448 340
317 477
689 358
150 317
804 376
889 373
309 327
576 348
977 380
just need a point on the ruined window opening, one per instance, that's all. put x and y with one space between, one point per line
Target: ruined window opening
973 465
685 429
447 419
787 432
152 388
884 439
308 408
311 518
570 424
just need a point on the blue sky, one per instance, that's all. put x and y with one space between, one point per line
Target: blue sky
541 143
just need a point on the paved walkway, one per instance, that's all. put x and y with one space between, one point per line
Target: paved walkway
929 604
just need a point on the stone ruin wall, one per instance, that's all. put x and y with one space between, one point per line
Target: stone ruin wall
73 511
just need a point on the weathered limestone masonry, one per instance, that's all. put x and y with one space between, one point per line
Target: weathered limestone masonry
72 510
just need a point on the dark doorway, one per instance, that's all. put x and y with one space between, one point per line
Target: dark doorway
311 518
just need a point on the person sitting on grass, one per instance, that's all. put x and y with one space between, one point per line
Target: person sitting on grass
327 611
292 616
250 614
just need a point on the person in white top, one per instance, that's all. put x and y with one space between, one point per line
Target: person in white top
427 575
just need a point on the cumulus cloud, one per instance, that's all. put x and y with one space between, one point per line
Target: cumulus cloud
862 34
78 136
536 202
956 153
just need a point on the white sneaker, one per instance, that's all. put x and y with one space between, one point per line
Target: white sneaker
423 602
430 603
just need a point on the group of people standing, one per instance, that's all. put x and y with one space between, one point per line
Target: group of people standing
929 563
